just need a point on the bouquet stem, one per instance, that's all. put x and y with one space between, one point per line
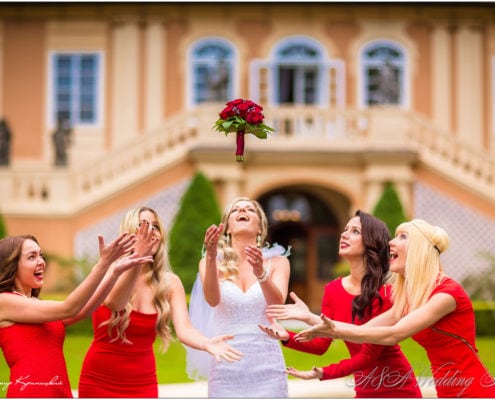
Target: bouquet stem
239 153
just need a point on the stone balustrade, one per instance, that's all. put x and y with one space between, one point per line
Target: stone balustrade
47 190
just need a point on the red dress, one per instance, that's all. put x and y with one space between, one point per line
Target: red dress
450 345
116 369
379 371
34 353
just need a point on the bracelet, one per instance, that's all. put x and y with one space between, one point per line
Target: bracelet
264 276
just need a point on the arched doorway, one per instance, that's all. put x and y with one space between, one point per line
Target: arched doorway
303 221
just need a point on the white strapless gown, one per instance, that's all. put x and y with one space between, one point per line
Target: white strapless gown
260 373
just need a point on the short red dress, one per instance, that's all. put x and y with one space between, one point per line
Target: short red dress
116 369
450 345
34 353
379 371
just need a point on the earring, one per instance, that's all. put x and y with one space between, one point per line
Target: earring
258 240
226 238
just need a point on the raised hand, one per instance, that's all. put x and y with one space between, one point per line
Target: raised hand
145 239
255 258
326 328
275 330
315 373
219 349
212 235
299 310
117 248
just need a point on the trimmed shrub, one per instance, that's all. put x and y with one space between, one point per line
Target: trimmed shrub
484 314
3 227
389 208
198 210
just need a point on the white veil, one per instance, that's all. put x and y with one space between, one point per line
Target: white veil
201 315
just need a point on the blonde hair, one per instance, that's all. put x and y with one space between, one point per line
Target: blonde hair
423 269
228 263
156 278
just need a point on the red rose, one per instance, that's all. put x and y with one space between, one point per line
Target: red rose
235 102
254 118
227 112
235 116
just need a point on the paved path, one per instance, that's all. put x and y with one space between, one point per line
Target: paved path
297 388
335 388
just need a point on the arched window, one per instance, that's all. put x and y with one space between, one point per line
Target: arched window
383 74
212 62
299 71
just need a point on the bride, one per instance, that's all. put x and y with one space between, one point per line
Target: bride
239 280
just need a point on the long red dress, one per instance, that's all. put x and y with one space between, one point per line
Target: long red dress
379 371
116 369
450 344
34 353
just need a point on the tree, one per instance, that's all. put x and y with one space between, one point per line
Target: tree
389 208
198 210
3 228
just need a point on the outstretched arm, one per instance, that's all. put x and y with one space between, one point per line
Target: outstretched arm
298 311
106 285
436 308
25 310
189 335
368 354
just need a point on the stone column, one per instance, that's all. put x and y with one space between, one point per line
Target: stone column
154 74
125 81
469 84
442 77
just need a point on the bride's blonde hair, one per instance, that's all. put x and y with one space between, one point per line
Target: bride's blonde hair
423 269
156 278
228 262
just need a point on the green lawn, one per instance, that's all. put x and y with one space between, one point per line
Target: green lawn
171 365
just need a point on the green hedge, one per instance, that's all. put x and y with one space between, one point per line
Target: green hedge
484 313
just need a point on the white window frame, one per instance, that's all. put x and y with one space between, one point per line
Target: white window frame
318 62
99 104
404 99
234 82
323 64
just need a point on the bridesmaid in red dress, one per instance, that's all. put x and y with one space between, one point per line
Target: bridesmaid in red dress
379 371
120 361
32 331
429 306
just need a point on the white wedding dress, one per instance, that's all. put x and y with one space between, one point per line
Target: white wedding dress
261 371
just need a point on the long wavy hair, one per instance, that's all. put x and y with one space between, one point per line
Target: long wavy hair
423 270
156 278
228 262
10 254
376 237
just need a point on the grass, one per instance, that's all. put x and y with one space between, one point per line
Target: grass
171 365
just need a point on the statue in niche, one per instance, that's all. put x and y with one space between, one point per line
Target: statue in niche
388 85
5 139
218 81
62 140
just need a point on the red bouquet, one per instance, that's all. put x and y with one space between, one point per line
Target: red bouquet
242 116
